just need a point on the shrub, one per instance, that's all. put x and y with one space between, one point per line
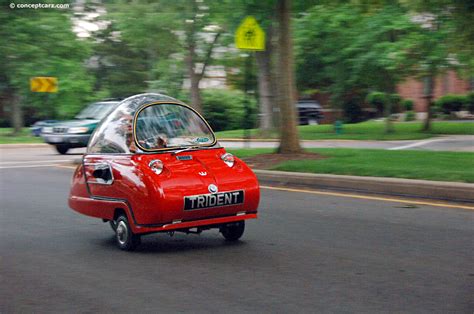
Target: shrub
469 105
353 110
395 101
407 104
450 103
378 101
225 110
409 115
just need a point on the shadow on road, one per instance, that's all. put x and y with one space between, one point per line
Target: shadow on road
161 243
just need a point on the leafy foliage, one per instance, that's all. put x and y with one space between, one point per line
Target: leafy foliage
41 43
450 103
407 104
225 110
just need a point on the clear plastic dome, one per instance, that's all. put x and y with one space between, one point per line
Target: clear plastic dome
150 122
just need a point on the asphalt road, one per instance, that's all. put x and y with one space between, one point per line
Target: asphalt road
305 253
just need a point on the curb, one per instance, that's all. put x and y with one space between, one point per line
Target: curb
439 190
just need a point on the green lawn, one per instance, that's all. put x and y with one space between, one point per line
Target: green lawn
370 130
427 165
25 137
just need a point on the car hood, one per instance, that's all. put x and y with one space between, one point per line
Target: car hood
75 123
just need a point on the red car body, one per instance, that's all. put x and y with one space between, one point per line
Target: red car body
195 188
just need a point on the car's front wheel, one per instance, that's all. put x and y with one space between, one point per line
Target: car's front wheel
126 239
233 231
62 149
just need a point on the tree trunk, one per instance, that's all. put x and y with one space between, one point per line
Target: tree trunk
387 114
289 140
265 88
193 76
264 91
195 94
16 114
388 108
429 88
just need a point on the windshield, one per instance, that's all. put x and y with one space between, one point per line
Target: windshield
96 111
165 126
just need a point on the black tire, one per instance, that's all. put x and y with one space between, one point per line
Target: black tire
62 149
233 231
125 238
113 225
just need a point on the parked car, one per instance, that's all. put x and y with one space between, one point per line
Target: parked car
154 165
39 125
309 112
76 133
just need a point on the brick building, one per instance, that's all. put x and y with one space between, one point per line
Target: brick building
448 83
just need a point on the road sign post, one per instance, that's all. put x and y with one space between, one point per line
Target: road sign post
249 36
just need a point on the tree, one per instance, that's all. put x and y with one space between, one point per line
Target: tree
195 23
289 140
349 50
42 43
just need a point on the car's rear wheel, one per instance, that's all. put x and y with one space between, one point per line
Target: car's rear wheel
62 149
125 238
233 231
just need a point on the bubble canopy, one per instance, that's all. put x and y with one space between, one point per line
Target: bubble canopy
150 123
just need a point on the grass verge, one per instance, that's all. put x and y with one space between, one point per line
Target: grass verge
25 136
425 165
370 130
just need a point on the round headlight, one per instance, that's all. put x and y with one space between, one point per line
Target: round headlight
47 129
229 159
156 166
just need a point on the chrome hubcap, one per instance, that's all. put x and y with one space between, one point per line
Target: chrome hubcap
122 232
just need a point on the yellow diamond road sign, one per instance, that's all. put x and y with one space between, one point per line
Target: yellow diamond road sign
44 84
249 35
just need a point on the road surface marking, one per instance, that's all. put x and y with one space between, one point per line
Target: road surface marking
367 197
28 166
66 167
416 144
34 161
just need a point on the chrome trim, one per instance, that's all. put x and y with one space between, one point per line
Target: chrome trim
213 188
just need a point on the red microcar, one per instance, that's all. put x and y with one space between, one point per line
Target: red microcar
154 165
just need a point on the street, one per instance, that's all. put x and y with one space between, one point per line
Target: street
306 253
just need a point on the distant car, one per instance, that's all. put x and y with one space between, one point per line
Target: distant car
76 133
309 112
39 125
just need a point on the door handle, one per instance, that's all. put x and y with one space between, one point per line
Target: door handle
101 173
